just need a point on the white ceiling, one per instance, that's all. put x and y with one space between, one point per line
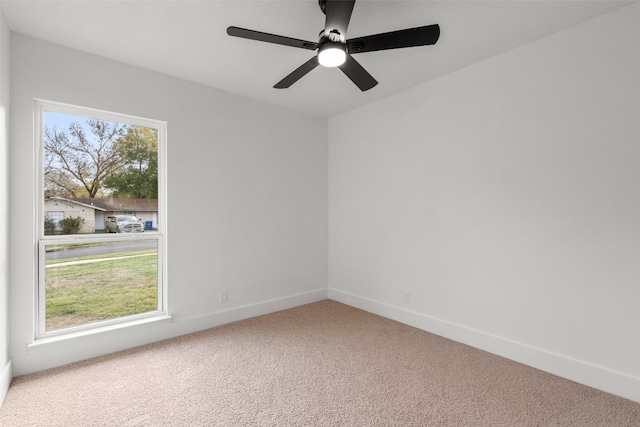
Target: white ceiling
187 39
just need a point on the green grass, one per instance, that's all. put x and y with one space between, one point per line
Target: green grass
102 256
85 293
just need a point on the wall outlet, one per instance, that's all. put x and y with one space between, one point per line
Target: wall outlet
223 297
406 297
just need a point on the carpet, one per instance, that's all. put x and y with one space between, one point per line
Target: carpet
322 364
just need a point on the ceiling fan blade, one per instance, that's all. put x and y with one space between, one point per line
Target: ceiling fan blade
297 74
419 36
358 74
271 38
338 16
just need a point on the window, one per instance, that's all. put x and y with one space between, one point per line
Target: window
101 223
52 221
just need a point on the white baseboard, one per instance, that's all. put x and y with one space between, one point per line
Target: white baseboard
234 314
6 375
575 370
57 352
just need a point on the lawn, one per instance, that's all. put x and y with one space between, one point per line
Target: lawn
101 289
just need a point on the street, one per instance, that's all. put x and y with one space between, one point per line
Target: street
105 248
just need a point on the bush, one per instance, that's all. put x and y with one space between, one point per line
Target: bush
49 226
71 225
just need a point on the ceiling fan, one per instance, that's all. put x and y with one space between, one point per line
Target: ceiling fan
333 48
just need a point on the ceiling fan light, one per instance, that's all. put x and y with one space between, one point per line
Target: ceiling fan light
332 54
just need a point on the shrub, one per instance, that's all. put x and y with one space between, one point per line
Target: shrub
49 226
71 225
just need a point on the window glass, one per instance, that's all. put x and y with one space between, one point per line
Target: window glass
95 168
101 228
92 282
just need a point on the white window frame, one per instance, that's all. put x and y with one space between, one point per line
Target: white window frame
159 235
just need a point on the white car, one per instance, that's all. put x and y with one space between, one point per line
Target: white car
124 224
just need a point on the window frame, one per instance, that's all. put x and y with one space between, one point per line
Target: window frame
159 234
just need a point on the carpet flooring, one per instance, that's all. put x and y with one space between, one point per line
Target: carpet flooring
322 364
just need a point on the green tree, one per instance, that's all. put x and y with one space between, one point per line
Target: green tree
137 178
76 164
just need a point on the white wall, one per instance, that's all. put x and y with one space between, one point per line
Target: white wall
505 197
5 362
259 172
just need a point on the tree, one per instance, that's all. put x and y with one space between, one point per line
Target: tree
137 178
76 165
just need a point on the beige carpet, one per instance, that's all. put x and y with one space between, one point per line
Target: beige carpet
323 364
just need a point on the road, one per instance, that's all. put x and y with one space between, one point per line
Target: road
106 248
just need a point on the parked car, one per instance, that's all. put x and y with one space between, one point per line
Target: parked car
124 224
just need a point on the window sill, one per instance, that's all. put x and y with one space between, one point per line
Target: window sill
98 330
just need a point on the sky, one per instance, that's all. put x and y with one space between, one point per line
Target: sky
62 121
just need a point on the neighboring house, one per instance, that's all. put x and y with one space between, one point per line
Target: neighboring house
94 211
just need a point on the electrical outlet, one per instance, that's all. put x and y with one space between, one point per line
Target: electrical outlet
223 297
406 297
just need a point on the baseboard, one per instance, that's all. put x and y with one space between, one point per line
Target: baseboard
575 370
234 314
48 355
6 375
